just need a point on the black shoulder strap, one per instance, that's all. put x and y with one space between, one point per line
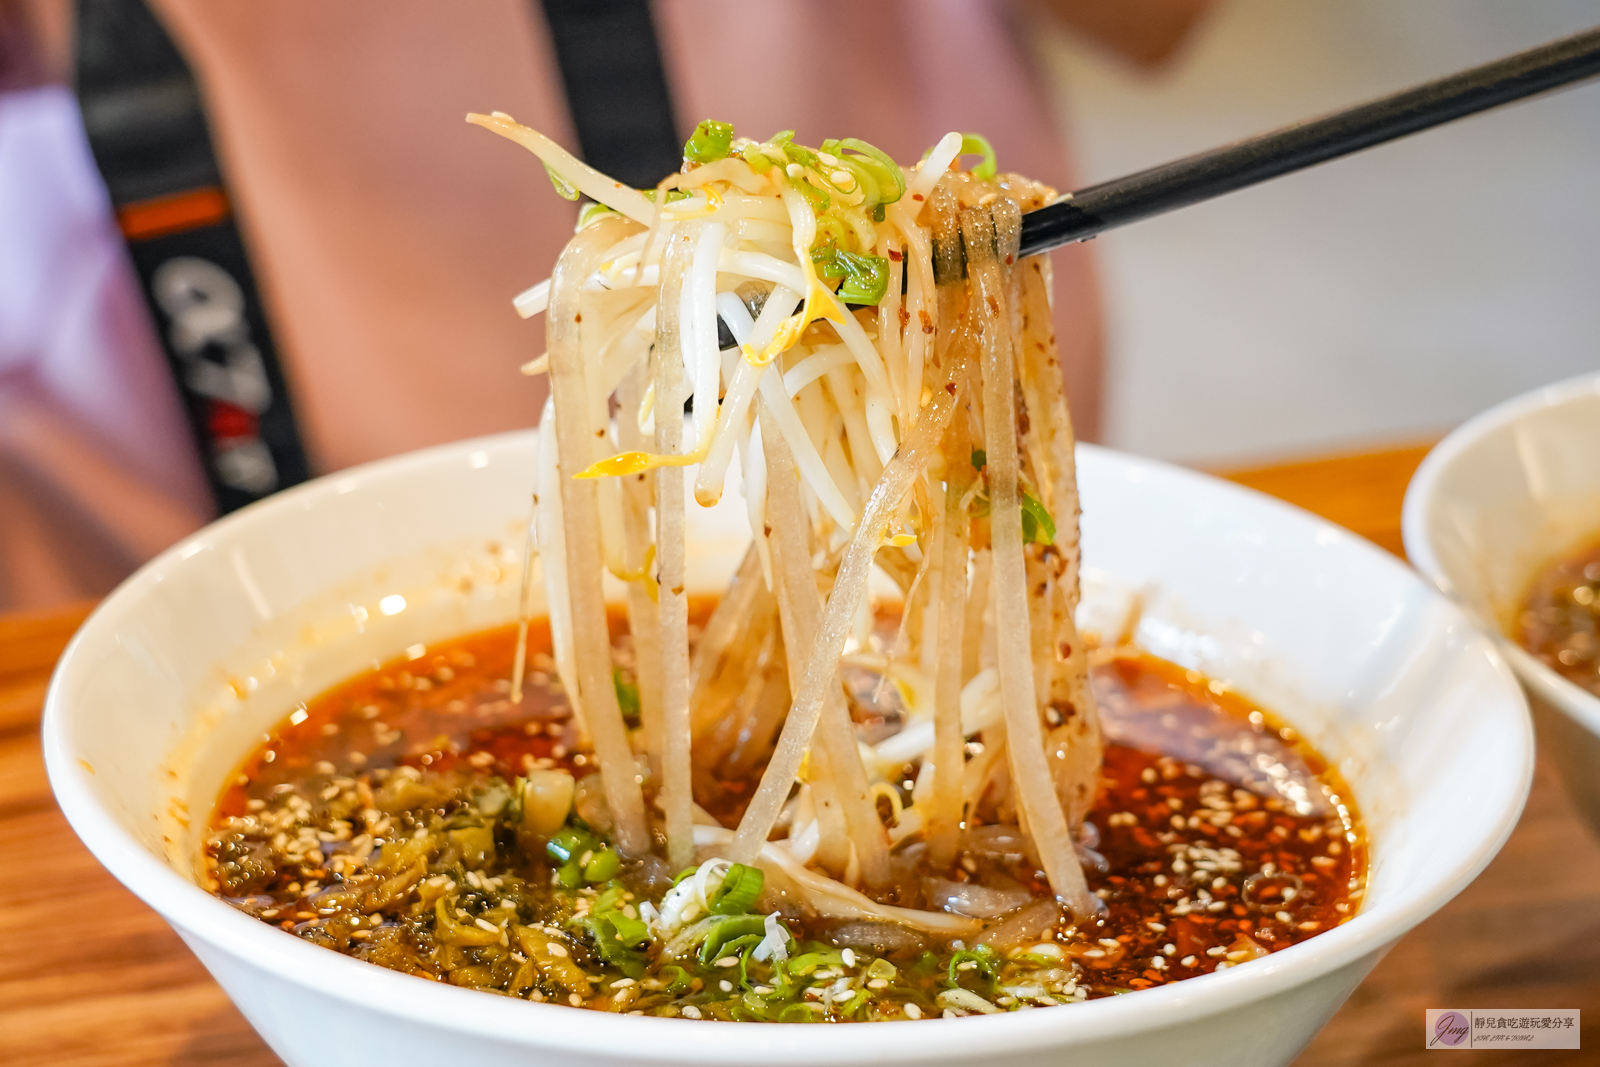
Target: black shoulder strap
610 59
147 129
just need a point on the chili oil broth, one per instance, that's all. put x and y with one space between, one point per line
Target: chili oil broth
1218 836
1560 619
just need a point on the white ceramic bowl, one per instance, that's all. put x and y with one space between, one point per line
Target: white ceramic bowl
1505 494
175 675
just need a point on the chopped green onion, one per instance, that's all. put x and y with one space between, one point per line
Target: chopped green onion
1037 525
799 153
884 178
710 142
807 962
673 195
603 866
866 278
676 977
980 459
759 161
612 935
565 189
632 932
570 842
729 928
817 198
740 888
570 874
593 211
802 1013
610 900
761 1008
627 696
987 965
977 144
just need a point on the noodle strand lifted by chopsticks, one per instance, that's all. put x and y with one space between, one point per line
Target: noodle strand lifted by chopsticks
921 433
591 638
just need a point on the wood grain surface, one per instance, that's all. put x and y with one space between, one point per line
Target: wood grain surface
89 976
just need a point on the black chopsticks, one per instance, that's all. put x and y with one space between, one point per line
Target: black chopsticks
1087 212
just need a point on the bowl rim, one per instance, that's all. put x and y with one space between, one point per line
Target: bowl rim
1416 531
203 917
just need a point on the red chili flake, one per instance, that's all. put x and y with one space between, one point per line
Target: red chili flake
927 323
916 196
895 256
950 387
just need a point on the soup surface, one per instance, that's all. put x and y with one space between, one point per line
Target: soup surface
1560 621
386 820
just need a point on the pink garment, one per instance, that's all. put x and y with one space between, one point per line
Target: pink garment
389 236
97 471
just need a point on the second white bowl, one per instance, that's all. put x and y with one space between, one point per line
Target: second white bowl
1502 496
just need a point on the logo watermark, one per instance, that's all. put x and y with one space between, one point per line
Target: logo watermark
1460 1028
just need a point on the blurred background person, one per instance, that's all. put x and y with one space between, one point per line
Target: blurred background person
386 236
1378 299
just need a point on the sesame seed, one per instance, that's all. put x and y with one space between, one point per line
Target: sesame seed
558 951
913 1012
725 985
849 957
728 961
878 983
1189 961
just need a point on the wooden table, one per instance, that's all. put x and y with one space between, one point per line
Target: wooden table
114 985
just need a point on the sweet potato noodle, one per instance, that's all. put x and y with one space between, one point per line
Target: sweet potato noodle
795 806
